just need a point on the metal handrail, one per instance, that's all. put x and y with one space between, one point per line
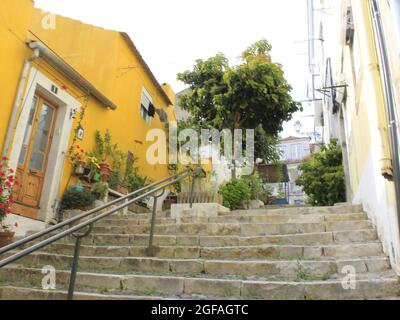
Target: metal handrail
89 223
79 217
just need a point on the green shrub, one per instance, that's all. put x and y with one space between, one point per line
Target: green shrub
115 180
135 182
323 177
235 194
258 190
99 190
76 199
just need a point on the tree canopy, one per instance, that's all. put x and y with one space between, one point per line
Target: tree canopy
247 95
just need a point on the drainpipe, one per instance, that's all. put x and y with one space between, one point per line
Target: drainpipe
14 114
391 104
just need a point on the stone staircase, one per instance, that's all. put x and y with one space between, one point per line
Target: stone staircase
291 253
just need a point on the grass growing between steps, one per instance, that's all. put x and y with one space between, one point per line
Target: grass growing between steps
304 275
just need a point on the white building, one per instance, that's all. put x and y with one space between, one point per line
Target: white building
295 151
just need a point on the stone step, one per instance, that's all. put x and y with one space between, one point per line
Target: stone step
215 253
243 229
301 210
367 286
221 241
19 293
283 268
123 221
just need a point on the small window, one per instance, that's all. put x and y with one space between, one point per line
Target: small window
145 105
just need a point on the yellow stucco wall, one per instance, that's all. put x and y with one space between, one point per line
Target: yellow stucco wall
105 58
14 21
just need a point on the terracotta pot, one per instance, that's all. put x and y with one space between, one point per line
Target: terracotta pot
6 238
105 172
122 190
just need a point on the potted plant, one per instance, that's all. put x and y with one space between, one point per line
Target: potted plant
99 190
7 183
105 151
77 198
77 159
94 169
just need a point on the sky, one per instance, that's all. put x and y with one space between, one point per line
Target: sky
172 34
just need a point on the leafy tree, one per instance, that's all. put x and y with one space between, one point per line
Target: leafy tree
265 146
251 94
323 177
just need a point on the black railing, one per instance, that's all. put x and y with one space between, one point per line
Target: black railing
141 194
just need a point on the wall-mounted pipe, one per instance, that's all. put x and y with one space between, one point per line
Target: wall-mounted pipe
391 105
70 73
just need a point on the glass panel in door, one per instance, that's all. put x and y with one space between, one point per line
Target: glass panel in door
42 139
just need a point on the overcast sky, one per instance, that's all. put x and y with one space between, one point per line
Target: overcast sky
171 35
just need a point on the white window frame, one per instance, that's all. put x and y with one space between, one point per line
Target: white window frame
145 95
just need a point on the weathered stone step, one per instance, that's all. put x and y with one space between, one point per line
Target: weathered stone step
19 293
302 210
221 241
121 221
286 268
288 218
366 286
243 229
214 253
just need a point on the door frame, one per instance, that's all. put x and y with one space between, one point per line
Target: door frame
39 104
39 84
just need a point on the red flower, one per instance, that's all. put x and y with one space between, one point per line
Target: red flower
11 170
8 184
1 165
11 178
4 158
8 211
1 192
2 174
79 158
3 205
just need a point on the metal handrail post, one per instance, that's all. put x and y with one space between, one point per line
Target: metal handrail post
75 262
192 191
150 249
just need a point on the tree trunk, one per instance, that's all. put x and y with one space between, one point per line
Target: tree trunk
235 126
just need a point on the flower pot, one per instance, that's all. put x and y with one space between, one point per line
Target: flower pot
105 172
79 169
122 190
96 177
6 238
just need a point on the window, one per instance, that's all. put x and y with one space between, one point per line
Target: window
145 105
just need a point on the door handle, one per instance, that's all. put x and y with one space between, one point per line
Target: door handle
33 171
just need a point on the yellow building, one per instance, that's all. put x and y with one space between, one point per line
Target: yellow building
62 80
360 71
